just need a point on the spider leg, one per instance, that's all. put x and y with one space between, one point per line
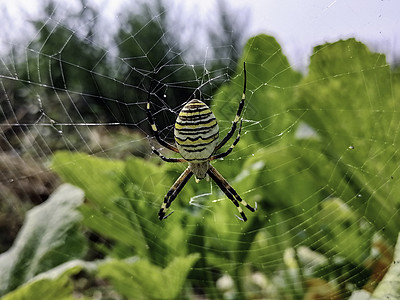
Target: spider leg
154 127
173 192
230 192
167 159
239 112
227 152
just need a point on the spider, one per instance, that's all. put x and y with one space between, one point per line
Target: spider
196 137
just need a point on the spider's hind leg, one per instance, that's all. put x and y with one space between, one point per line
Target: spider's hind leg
230 193
173 192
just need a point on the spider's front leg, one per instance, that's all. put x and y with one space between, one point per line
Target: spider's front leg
153 127
173 192
239 112
167 159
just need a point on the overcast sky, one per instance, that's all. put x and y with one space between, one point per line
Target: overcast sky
298 25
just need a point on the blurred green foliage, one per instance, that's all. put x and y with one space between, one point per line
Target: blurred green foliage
319 155
310 190
50 236
67 76
47 287
143 280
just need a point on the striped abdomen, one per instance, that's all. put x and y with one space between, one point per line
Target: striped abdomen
196 131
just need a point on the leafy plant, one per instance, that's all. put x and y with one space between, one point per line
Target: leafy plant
49 237
55 284
143 280
324 177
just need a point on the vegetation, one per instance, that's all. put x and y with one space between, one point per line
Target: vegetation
67 77
318 153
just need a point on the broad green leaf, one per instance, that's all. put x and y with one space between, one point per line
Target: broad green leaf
49 237
54 284
100 178
350 98
296 198
342 229
143 280
109 212
124 199
44 289
147 176
271 84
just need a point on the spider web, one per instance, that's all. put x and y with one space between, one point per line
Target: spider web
75 79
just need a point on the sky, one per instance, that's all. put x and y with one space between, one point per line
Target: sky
298 25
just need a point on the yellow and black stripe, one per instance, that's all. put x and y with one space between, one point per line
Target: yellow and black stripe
196 131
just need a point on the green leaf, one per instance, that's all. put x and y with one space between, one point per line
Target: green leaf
54 284
270 92
389 287
143 280
350 98
271 84
109 212
49 237
343 228
124 198
44 289
312 216
100 178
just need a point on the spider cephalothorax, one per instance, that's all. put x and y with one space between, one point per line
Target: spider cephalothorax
196 137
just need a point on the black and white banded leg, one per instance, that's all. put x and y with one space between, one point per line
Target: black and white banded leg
237 117
230 193
227 152
167 159
173 192
154 128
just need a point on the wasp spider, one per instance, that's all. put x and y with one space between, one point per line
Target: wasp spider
196 137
